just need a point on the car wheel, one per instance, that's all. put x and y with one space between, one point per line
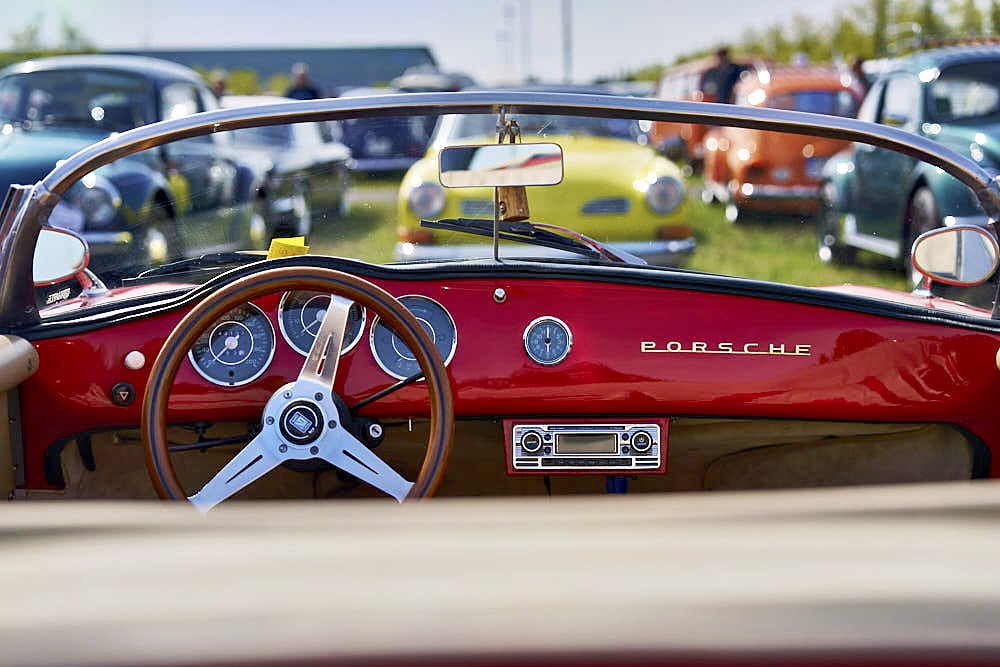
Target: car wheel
160 238
830 248
921 217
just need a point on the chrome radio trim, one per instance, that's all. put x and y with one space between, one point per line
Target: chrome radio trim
622 460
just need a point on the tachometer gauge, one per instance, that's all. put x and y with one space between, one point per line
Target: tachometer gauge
547 340
236 349
300 315
391 352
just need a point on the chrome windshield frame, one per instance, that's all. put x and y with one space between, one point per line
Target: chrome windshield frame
23 216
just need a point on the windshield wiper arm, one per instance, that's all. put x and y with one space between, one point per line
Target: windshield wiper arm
210 261
521 231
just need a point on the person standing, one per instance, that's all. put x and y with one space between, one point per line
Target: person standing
219 82
717 82
301 87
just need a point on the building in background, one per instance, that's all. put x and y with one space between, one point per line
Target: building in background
332 69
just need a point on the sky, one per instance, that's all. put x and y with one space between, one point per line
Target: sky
493 40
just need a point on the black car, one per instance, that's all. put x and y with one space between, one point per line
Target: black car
385 145
51 108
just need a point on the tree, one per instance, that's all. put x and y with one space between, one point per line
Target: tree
73 38
995 16
880 12
849 38
966 17
28 39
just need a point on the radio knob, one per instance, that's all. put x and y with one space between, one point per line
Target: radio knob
531 442
641 442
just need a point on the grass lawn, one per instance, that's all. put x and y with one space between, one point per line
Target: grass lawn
781 250
369 230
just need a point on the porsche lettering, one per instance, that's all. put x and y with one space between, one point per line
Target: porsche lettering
727 347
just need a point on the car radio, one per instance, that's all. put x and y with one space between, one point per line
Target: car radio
576 447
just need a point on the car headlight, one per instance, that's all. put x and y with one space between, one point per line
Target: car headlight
98 199
665 194
426 200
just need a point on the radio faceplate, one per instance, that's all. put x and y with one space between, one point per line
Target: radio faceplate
575 447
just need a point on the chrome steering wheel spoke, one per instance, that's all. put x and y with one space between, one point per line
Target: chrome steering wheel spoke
251 463
343 450
324 355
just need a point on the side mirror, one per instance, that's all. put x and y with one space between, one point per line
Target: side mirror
959 255
59 255
501 165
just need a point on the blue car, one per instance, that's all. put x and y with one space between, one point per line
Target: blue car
879 200
50 108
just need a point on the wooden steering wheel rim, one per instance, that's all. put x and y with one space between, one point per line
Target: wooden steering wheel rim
200 318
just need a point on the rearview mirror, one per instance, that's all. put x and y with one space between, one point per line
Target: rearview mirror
59 255
959 255
501 165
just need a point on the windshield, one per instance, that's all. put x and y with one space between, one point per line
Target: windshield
835 103
966 92
472 126
110 101
794 209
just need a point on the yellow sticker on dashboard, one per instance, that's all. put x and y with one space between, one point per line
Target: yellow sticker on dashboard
288 247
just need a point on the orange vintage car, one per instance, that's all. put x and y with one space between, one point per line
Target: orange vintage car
776 172
684 141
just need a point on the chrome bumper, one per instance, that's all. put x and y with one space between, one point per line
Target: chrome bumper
672 252
777 192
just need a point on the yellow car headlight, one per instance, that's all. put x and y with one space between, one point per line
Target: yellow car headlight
665 194
426 200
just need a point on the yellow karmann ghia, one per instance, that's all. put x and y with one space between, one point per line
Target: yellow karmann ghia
624 193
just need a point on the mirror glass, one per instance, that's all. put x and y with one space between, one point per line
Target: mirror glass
59 255
499 165
960 255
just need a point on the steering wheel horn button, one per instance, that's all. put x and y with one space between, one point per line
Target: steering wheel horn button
301 422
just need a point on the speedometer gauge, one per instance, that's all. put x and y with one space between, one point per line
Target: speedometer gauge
547 340
236 349
391 352
301 313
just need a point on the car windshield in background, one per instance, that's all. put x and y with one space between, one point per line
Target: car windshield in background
965 92
110 101
472 126
834 103
268 135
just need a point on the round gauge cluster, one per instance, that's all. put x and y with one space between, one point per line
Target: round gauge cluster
300 315
239 346
547 340
236 349
391 352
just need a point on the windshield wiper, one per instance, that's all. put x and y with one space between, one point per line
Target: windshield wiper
531 233
210 261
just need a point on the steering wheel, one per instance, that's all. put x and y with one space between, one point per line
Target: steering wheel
301 420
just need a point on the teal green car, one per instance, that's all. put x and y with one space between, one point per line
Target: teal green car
880 201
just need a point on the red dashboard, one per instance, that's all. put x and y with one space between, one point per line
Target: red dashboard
636 350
